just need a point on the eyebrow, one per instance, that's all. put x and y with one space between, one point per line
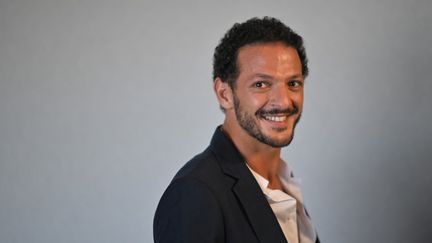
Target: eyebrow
262 75
266 76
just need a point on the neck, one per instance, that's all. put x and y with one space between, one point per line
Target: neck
262 158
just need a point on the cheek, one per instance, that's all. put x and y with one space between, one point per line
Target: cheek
258 101
298 99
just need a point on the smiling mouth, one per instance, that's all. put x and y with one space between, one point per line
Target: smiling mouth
277 115
280 118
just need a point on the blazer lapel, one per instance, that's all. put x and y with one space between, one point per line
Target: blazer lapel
257 209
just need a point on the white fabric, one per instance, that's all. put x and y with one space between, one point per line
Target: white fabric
288 206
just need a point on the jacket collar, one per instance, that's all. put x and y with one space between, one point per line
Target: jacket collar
247 190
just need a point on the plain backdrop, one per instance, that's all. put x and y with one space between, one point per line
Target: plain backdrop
101 102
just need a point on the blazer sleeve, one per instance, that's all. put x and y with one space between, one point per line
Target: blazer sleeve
188 212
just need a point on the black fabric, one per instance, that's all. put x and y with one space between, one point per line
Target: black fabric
214 198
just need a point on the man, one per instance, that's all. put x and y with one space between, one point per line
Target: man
239 190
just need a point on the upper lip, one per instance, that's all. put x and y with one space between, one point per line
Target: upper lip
278 112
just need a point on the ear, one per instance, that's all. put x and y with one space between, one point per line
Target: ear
224 94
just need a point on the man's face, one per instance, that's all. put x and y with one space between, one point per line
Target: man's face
268 93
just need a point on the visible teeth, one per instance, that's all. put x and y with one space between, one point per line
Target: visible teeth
276 118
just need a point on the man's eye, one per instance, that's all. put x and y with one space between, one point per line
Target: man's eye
261 84
294 83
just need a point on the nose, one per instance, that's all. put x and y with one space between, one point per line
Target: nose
280 97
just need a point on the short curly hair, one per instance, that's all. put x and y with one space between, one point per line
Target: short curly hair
253 31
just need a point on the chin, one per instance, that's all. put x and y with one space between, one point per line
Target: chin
277 142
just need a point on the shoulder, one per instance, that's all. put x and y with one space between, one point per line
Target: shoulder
202 174
188 212
190 208
187 190
203 167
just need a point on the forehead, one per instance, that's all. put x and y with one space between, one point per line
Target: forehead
270 57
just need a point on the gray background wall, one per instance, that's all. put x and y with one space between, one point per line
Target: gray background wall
102 101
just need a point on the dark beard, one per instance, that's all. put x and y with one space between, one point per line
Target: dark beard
251 127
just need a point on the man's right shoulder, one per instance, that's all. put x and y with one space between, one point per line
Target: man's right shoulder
203 167
189 210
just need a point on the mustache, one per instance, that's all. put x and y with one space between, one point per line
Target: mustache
276 111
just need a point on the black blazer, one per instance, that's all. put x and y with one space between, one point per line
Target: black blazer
214 198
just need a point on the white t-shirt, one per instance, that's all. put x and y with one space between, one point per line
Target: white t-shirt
288 207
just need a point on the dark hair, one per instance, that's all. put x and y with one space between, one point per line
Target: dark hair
253 31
